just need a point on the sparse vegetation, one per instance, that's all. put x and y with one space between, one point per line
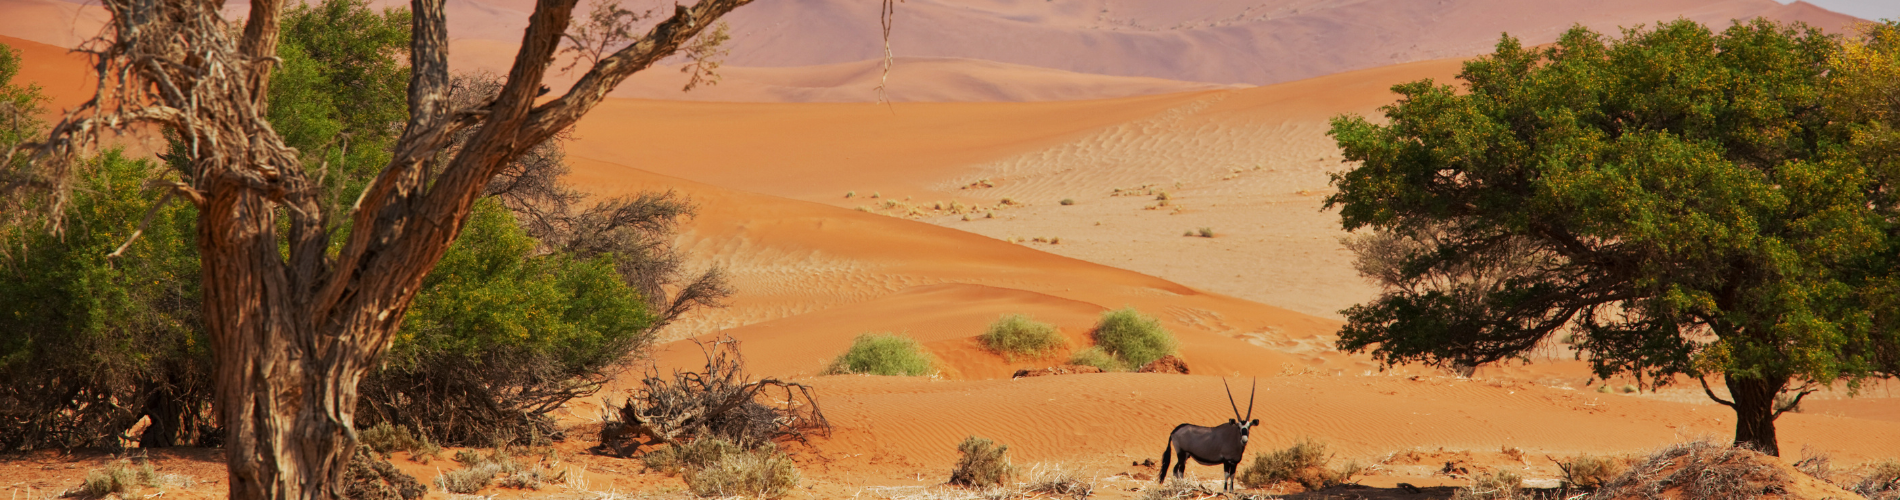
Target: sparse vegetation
761 472
1133 337
1058 481
1206 232
983 464
1019 335
1303 463
850 194
1698 470
1097 357
371 478
1499 485
1178 489
1880 481
884 354
1589 472
384 439
120 476
1067 201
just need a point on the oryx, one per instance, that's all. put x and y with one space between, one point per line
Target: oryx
1222 444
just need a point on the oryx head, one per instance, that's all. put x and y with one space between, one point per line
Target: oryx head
1247 421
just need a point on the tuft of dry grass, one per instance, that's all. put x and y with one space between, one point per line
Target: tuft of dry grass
761 472
1879 481
1499 485
1058 481
120 476
984 464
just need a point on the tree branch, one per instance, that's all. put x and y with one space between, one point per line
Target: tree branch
1711 393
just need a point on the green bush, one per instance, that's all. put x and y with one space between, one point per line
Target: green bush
984 464
1097 357
1134 337
883 354
1018 335
763 472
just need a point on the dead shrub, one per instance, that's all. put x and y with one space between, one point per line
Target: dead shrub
1815 463
1698 470
721 401
1880 481
1303 463
984 464
1589 472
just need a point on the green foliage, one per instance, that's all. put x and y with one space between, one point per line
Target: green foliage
1135 338
884 354
498 332
341 95
89 343
983 464
20 105
1647 192
1097 357
1019 335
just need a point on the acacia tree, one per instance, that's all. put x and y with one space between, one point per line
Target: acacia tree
1676 202
294 324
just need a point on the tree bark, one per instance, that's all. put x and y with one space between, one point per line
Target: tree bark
1755 412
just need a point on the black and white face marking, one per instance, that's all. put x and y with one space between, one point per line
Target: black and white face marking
1243 424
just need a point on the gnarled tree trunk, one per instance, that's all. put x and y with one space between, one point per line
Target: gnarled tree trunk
1755 412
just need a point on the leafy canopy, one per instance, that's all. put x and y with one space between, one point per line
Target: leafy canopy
1683 201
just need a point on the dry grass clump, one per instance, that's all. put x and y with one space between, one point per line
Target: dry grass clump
1879 481
698 453
481 469
883 354
1187 489
1058 481
1499 485
984 464
1019 335
1303 463
116 477
761 472
1698 470
1067 201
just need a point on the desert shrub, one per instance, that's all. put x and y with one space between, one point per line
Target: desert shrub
1303 463
694 454
1205 232
1590 472
468 480
1698 470
883 354
1058 481
1097 357
1018 335
1500 485
1134 337
385 439
1881 481
1067 201
761 472
120 476
370 478
983 464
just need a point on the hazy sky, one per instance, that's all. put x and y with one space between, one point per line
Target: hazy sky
1864 9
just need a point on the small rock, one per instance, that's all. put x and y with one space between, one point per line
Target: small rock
1167 364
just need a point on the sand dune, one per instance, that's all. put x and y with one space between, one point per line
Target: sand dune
923 80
